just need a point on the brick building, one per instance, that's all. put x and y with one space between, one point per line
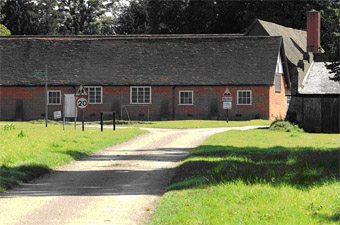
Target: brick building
314 96
146 77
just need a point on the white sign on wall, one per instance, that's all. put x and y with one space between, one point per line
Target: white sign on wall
227 105
70 109
57 114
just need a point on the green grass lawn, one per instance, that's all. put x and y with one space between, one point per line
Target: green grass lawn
28 150
183 124
256 177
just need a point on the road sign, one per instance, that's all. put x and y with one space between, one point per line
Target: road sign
82 103
226 92
81 91
39 73
227 99
227 105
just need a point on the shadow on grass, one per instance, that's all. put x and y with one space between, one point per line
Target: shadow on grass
300 167
12 176
74 154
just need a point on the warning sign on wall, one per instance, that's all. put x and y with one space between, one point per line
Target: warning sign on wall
226 92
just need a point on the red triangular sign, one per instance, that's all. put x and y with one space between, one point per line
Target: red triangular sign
226 92
81 91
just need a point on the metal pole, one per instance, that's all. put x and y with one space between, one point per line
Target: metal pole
114 120
75 119
82 120
64 123
227 115
101 121
46 100
121 112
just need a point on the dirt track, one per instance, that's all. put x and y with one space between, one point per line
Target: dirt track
117 185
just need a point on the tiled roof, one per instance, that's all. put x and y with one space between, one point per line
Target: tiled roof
317 81
295 41
140 60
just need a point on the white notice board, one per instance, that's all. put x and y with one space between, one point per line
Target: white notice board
70 109
227 105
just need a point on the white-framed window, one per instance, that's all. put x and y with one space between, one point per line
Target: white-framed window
94 94
278 83
186 97
54 97
244 97
140 95
289 97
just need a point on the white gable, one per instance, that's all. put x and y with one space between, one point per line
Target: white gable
279 68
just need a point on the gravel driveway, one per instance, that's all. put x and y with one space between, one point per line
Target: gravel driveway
121 184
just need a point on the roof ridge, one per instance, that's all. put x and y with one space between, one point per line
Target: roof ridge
281 25
127 37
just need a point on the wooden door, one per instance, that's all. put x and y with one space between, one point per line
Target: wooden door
330 107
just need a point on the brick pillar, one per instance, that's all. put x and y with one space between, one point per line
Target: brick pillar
313 31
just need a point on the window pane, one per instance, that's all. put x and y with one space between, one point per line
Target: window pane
91 98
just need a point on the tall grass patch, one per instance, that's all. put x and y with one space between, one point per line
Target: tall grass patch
256 177
28 150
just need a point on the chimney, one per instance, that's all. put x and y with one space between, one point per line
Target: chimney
313 31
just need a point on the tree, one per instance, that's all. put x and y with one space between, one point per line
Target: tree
20 17
48 17
331 36
4 31
81 16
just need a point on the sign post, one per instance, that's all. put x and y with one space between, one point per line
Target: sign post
227 102
82 104
40 73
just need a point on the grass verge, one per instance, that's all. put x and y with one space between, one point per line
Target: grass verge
184 124
28 150
256 177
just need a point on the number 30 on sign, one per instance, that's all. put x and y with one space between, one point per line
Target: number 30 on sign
82 103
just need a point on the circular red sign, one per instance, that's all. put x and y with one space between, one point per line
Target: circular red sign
82 103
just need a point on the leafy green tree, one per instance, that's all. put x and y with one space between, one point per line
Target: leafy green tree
330 15
4 31
20 16
81 16
48 16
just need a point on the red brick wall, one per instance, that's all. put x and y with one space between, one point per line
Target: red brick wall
33 102
203 96
278 102
115 97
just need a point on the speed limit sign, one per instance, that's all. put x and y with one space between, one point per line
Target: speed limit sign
82 103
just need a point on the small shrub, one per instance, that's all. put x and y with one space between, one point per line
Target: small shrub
283 125
21 134
55 145
9 127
